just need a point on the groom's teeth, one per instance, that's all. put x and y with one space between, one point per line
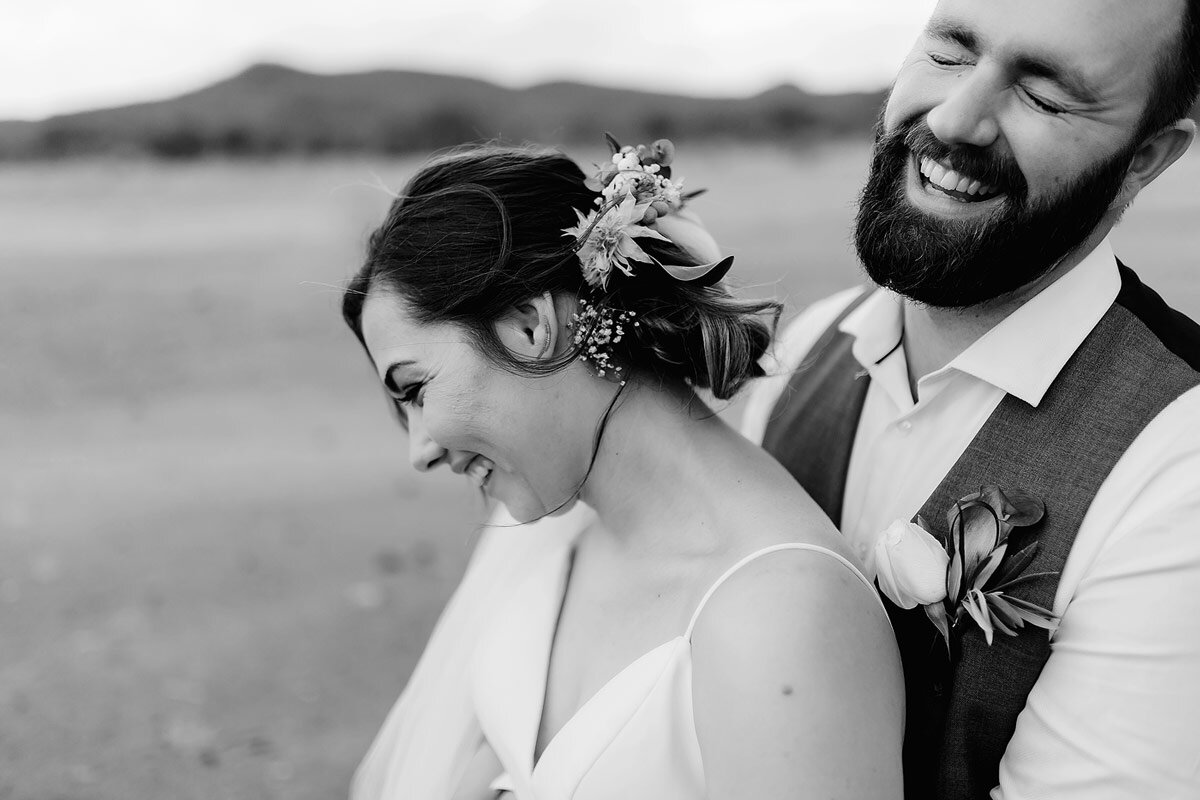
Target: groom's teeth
952 180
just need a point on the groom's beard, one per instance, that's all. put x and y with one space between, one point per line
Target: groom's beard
950 263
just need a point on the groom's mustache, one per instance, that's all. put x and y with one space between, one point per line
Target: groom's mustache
989 166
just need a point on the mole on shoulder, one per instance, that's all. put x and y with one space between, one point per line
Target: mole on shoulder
787 690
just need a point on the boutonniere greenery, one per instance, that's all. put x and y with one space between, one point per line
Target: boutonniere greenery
965 581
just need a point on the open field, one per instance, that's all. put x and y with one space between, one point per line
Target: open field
216 567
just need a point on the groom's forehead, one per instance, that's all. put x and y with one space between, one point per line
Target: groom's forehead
1098 37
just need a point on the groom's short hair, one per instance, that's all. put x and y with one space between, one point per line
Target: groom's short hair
1177 80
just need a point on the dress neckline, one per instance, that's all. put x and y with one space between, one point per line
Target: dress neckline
532 621
536 758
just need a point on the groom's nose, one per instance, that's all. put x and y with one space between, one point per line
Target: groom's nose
423 452
966 114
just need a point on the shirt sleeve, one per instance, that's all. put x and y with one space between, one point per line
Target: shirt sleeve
788 350
1115 714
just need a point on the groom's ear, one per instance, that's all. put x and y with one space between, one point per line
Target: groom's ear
531 329
1152 158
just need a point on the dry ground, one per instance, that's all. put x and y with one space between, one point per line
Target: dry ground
216 569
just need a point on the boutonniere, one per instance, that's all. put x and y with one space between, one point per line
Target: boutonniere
963 581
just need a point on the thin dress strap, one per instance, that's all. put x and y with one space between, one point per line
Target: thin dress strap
816 548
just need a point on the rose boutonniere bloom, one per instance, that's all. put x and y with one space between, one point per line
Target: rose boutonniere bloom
911 565
969 579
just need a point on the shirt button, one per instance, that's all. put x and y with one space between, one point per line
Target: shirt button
905 426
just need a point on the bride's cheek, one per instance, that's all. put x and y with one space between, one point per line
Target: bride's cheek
464 419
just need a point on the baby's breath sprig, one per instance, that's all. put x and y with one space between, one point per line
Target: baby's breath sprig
597 328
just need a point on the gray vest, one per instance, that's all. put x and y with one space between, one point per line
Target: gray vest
1139 358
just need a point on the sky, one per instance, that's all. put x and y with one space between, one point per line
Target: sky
60 56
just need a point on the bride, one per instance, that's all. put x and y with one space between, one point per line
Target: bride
706 633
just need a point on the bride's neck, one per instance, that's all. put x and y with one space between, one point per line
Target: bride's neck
654 455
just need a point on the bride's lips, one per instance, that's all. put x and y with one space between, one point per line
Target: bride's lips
480 471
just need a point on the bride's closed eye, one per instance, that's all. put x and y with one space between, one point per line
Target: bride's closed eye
410 394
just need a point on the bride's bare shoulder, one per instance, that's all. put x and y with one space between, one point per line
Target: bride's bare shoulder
794 662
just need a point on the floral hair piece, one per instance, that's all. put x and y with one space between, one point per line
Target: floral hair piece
636 191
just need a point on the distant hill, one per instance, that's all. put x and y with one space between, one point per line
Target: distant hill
270 109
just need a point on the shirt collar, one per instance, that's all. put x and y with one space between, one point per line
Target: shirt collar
1024 353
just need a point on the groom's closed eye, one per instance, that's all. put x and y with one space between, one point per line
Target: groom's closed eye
1027 65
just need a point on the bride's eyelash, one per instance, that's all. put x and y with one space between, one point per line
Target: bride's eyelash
411 393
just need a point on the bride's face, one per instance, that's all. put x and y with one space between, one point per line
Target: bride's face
508 434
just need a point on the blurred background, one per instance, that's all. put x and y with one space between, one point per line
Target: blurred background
216 567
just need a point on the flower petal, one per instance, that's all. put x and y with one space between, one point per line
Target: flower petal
642 231
1017 563
628 248
981 535
978 613
1033 613
688 233
701 274
910 565
1003 609
937 615
1027 509
954 578
989 566
998 623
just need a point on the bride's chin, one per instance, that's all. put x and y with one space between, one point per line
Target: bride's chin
558 512
532 510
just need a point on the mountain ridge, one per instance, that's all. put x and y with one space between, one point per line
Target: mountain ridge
273 109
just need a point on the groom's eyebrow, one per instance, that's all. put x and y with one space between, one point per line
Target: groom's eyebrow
1048 68
1034 65
954 33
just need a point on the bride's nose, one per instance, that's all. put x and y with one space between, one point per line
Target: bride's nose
423 451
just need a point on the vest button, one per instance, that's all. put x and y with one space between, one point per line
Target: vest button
938 689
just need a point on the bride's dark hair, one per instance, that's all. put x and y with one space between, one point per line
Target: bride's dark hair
480 230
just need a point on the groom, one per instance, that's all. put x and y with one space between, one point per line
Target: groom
1008 346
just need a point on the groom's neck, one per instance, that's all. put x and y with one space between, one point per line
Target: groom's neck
933 337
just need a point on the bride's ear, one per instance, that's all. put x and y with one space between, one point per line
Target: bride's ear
531 328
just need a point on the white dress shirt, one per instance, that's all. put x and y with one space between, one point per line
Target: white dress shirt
1116 711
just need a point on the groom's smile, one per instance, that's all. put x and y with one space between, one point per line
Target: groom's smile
939 189
953 183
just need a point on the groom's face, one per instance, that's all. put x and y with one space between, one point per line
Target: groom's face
1005 141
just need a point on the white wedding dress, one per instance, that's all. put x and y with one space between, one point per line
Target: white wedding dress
431 733
635 738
